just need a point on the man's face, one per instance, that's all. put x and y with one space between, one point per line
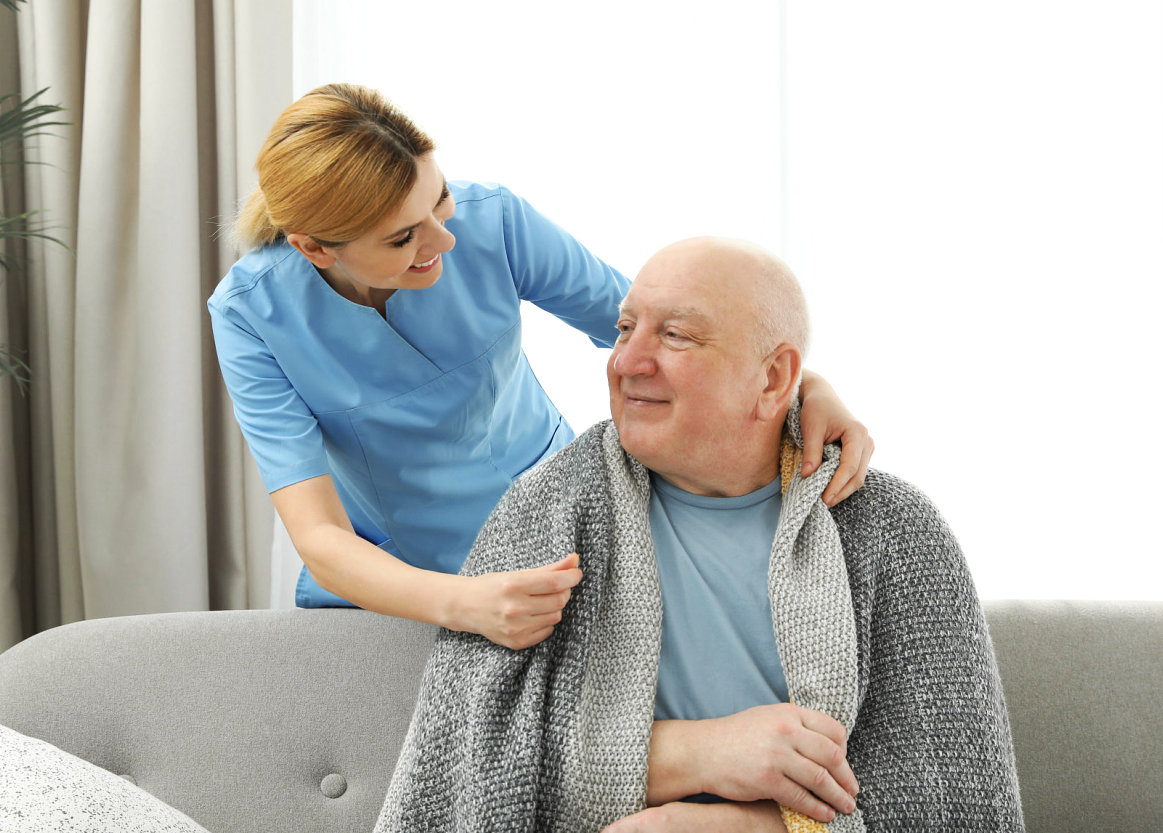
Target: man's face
684 374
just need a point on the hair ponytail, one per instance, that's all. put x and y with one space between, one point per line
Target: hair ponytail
253 227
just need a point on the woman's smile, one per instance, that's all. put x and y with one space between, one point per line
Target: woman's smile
426 265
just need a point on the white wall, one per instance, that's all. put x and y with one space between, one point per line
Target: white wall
972 197
975 202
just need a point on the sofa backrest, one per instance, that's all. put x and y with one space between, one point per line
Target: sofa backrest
289 719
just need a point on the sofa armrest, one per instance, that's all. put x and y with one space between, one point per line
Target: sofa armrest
1084 688
244 720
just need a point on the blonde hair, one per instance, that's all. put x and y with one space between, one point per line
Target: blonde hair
336 162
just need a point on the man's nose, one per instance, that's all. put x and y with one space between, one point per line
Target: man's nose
634 356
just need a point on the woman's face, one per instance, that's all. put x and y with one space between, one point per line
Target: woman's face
402 251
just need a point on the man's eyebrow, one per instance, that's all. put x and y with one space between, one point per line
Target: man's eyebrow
687 314
691 314
395 234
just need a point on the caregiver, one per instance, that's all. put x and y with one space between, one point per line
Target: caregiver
386 424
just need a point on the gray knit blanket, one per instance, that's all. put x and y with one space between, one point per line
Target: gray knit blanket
874 611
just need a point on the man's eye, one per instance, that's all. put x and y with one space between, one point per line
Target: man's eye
405 240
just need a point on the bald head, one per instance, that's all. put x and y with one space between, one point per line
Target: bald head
708 357
746 276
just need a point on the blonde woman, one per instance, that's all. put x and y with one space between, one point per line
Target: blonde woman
371 342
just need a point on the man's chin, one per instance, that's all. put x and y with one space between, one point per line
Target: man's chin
640 443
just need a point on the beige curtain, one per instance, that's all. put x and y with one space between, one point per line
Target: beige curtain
125 486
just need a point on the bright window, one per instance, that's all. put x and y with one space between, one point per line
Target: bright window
972 197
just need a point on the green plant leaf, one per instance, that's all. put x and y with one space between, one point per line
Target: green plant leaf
25 119
18 227
20 120
12 365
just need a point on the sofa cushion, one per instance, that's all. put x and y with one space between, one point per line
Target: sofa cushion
43 789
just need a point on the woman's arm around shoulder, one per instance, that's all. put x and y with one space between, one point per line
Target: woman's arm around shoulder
825 419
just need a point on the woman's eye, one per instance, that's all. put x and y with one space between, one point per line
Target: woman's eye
405 240
445 194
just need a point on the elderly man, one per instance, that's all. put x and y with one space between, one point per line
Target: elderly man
734 642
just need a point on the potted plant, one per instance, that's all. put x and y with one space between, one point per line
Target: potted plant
20 120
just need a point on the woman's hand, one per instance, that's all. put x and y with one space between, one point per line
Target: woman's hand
825 419
516 609
679 817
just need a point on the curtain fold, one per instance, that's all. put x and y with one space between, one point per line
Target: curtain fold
138 494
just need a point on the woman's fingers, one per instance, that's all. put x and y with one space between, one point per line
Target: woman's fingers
813 436
549 579
548 603
855 453
520 608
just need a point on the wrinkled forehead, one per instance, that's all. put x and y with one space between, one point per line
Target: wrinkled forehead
678 312
691 289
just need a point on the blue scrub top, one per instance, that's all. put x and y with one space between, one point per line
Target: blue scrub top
423 417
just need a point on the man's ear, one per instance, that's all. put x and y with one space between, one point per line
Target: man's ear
320 256
782 366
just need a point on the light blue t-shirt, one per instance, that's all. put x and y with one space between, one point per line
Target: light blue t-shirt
423 417
719 654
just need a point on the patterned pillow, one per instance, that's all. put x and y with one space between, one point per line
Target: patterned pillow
43 789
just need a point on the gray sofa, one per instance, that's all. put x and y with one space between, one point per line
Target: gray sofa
290 720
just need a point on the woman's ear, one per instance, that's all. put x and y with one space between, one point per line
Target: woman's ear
320 256
782 366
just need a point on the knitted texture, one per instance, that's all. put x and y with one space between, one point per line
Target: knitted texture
808 584
873 608
799 823
790 460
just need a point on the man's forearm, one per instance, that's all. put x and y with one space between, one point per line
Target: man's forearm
674 762
727 817
780 751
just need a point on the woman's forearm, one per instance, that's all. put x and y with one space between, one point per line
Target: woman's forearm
344 564
515 609
813 382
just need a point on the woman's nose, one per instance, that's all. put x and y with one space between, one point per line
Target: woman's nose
445 239
439 239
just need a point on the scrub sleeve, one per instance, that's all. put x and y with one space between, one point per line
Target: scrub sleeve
425 416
